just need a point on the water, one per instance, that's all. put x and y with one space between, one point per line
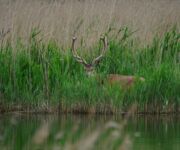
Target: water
89 132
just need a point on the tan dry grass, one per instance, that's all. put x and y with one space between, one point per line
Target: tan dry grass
88 19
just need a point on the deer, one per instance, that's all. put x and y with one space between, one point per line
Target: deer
125 81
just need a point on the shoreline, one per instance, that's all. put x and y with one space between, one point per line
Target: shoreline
92 110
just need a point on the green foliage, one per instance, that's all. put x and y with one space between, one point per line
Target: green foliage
40 72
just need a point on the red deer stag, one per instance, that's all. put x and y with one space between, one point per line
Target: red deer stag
124 81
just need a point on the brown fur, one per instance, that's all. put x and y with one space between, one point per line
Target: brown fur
123 80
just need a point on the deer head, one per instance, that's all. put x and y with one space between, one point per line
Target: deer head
89 67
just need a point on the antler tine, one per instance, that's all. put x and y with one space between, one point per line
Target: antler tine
75 55
105 44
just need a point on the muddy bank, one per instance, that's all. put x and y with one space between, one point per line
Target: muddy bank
82 109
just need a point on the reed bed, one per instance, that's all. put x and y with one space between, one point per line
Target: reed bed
42 76
88 19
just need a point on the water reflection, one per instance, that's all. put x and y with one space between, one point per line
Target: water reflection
89 132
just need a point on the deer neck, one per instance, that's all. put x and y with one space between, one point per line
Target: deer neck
91 73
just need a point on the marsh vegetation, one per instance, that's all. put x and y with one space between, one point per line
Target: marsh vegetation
125 62
43 75
61 19
38 71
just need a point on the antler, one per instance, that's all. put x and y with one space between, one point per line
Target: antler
105 45
96 60
75 55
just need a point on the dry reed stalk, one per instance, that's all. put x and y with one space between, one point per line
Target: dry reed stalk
59 19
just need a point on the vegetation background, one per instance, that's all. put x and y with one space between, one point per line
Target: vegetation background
37 68
88 19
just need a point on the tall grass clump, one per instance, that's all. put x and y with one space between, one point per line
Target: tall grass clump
158 63
44 74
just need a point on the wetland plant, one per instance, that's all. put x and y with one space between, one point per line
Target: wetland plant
41 75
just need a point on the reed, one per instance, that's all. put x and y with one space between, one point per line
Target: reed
62 19
41 75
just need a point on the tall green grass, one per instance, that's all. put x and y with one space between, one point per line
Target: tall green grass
39 74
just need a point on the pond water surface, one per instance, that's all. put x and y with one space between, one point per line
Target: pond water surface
89 132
